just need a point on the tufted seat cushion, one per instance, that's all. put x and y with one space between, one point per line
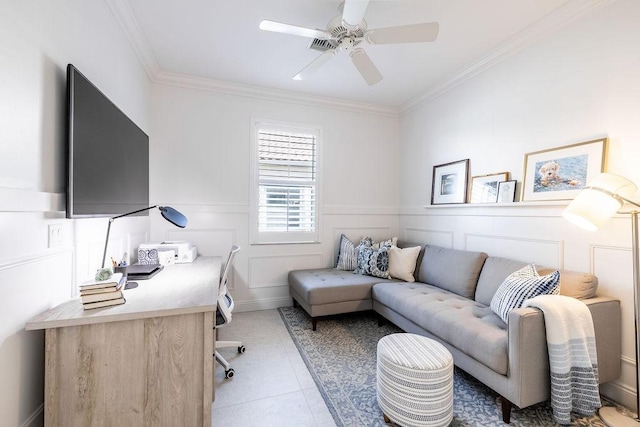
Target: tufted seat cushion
327 286
463 323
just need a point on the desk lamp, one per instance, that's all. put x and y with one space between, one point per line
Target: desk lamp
604 196
169 213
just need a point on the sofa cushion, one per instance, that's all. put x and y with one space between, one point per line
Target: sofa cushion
494 271
575 284
402 262
327 286
521 285
451 269
465 324
348 252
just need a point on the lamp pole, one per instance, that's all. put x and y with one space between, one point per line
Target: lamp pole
636 284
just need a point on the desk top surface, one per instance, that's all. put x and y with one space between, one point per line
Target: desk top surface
177 289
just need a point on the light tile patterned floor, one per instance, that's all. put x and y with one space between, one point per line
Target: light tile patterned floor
271 386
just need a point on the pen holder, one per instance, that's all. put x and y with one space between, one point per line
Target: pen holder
121 269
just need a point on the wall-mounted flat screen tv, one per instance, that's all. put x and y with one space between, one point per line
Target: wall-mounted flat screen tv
107 157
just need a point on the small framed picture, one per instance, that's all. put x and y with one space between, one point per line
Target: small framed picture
450 183
484 188
560 173
507 191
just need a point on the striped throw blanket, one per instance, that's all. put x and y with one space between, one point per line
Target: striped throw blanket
572 355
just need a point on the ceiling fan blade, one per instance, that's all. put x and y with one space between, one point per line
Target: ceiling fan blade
366 67
314 65
353 11
415 33
279 27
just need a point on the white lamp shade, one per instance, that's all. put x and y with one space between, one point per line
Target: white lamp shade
597 203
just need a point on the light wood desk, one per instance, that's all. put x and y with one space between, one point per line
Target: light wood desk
148 362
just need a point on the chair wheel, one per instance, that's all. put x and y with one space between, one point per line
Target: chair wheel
229 373
241 349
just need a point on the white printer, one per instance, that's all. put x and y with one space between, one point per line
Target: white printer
184 251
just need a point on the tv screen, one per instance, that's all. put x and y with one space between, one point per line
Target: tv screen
108 154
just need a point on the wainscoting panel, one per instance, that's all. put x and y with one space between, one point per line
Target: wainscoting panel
432 237
548 253
29 285
271 271
210 241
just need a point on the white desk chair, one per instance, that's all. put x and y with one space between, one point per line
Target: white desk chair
223 313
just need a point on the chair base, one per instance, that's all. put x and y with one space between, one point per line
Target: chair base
228 370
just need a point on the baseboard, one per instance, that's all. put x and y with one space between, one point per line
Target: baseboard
621 393
36 419
263 304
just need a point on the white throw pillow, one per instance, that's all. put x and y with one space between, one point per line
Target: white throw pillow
520 286
402 262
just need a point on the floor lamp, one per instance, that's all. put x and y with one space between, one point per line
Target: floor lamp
603 197
168 213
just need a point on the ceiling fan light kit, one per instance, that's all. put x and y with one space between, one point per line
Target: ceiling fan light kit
346 32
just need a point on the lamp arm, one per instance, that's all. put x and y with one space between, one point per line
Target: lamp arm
631 202
614 195
106 241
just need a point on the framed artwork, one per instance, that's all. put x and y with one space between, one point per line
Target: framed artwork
450 183
484 188
560 173
507 191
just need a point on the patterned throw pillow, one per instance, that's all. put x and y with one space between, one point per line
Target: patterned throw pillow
374 260
348 253
521 285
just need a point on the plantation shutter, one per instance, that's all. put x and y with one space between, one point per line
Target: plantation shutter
287 175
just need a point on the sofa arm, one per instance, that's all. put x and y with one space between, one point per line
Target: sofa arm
528 357
607 323
528 354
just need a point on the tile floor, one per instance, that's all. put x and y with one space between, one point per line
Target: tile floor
271 386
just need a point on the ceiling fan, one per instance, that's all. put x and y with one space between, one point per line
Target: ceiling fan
346 32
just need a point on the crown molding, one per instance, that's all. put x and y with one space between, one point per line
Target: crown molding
545 26
127 21
269 94
124 16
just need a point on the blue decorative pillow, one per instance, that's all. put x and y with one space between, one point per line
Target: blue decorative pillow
348 253
374 262
521 285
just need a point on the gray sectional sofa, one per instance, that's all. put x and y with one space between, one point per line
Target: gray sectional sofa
449 302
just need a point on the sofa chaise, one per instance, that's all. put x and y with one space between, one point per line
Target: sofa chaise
450 302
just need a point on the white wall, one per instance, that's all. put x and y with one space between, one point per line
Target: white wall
200 165
576 85
37 40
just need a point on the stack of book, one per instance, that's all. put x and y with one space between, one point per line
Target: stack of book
103 293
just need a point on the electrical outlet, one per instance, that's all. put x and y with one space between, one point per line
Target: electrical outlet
55 235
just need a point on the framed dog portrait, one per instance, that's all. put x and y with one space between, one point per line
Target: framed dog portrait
450 183
484 189
560 173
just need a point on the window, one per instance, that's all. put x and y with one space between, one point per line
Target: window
285 183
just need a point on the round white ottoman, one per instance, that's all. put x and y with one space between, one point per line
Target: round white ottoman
415 380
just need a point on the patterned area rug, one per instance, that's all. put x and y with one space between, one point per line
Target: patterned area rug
341 357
